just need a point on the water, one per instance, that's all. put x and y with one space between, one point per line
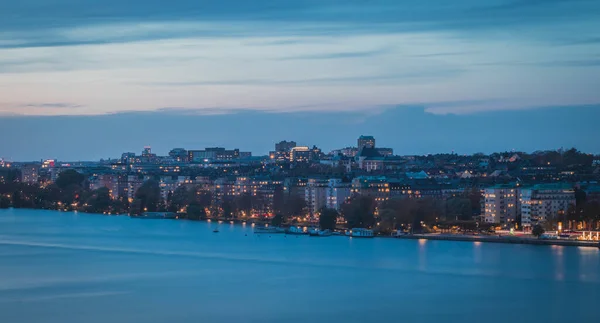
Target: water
59 267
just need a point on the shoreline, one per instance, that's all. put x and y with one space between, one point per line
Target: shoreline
438 237
506 239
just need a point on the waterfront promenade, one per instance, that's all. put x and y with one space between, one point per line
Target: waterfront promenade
503 239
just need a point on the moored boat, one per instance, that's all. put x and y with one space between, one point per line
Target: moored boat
156 215
293 230
360 233
321 233
271 230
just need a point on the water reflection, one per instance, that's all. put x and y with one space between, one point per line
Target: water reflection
559 268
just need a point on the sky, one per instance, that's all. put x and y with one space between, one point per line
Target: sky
110 64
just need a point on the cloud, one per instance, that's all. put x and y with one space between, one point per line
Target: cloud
337 55
150 20
52 105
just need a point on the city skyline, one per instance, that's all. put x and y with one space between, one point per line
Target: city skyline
408 130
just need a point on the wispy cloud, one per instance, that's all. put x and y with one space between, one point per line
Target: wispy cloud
337 55
52 105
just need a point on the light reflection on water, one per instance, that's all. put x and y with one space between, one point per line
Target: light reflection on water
61 267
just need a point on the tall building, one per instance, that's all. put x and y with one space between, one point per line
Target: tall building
300 154
502 204
30 173
545 201
134 182
366 141
337 194
315 196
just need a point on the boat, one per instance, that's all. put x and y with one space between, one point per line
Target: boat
321 233
360 233
156 215
216 230
295 231
271 230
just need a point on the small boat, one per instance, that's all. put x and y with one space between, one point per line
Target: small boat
295 231
216 230
360 233
321 233
271 230
155 215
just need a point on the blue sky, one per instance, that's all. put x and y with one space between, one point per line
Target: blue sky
104 62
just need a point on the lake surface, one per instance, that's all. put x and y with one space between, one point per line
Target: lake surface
60 267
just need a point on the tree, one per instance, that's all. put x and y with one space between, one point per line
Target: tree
227 208
179 199
537 230
17 199
69 178
277 220
4 202
147 197
243 203
195 211
387 220
475 197
359 212
328 219
100 201
294 205
459 208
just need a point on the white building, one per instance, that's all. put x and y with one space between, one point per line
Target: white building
315 196
545 201
501 204
337 194
300 154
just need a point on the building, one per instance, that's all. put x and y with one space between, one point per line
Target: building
30 173
147 156
315 196
134 182
376 187
168 184
294 187
213 154
300 154
179 155
369 159
128 158
282 151
365 141
385 151
502 204
110 181
545 201
337 194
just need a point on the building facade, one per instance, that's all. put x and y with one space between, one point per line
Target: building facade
30 173
337 194
545 201
501 204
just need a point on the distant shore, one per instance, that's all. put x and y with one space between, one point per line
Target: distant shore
503 239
